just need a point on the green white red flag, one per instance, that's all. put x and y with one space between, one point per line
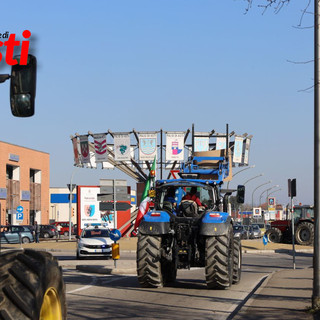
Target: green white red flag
145 199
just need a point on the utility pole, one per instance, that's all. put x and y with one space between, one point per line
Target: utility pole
316 256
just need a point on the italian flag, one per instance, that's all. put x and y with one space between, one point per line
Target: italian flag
144 205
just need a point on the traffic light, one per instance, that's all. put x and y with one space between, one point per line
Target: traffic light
292 188
23 87
241 193
72 212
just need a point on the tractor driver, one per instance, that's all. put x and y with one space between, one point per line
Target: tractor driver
192 195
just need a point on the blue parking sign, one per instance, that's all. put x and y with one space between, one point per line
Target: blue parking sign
19 216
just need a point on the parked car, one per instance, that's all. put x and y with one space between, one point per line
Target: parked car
48 231
240 231
256 231
94 241
16 234
64 227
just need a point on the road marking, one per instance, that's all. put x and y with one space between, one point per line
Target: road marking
94 281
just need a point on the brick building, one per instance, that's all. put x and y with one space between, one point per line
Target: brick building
24 181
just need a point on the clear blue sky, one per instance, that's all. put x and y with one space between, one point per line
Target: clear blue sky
147 64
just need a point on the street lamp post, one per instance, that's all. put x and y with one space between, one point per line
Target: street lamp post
258 188
316 168
253 178
239 172
267 190
71 187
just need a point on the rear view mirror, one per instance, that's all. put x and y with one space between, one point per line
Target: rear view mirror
23 87
240 194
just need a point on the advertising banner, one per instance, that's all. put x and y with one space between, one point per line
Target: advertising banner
237 150
221 143
147 146
201 143
89 206
100 147
122 147
174 146
84 147
75 146
246 151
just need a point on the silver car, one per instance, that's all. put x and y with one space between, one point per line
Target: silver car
15 234
255 232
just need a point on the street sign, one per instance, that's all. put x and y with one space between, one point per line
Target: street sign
117 189
19 216
20 209
265 240
120 206
115 235
110 197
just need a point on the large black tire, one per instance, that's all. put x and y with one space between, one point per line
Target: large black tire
149 261
237 260
219 261
274 235
304 233
31 286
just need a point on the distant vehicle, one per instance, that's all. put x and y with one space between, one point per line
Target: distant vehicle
240 232
48 231
16 234
64 227
281 230
94 241
255 231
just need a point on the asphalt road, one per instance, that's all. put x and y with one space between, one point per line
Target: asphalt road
93 296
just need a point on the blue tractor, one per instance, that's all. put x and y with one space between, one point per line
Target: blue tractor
181 232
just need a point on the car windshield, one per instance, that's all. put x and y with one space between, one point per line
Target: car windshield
237 228
255 227
94 233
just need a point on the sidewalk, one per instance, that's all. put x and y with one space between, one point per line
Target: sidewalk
284 295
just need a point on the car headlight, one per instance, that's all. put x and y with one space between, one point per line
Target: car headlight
80 245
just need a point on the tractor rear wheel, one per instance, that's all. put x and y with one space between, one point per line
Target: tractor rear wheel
305 233
31 286
149 261
237 260
219 261
274 235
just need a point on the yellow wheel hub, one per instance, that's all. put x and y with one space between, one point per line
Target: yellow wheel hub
51 307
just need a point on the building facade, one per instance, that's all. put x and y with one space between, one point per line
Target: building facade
24 185
60 205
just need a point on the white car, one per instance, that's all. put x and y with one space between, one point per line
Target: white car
94 241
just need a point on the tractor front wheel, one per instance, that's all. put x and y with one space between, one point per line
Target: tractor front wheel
149 261
219 259
237 260
31 286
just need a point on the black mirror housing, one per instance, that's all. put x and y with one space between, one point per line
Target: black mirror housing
240 193
23 87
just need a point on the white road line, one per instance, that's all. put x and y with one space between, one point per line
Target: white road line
80 289
94 282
